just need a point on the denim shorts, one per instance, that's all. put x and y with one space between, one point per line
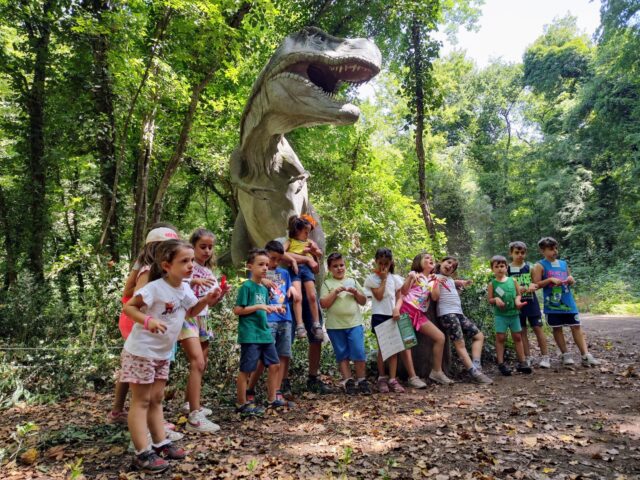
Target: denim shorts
250 353
305 274
281 332
348 343
534 321
504 323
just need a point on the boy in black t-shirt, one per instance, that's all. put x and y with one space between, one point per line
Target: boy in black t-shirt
521 270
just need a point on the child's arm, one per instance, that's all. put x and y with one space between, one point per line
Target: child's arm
130 284
460 284
132 310
288 259
330 298
313 265
570 280
435 289
408 283
242 311
209 299
536 277
493 300
314 249
519 302
360 297
396 310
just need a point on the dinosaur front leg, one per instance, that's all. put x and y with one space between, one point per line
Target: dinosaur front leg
240 241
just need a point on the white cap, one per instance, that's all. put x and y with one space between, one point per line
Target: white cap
161 234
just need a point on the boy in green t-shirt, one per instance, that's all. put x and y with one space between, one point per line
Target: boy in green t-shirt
342 297
505 297
254 335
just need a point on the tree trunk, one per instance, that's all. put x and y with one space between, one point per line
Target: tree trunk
416 43
10 244
37 223
106 130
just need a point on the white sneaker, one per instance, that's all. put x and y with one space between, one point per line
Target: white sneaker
173 435
567 361
589 361
416 382
528 361
198 422
187 410
440 378
544 362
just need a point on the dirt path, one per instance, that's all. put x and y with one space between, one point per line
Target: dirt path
558 424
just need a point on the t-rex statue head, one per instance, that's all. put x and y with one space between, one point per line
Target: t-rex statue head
298 86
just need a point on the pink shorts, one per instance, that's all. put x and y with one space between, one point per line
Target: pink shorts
142 370
125 323
418 317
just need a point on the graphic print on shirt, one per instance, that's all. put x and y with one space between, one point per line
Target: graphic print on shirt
168 308
556 300
277 294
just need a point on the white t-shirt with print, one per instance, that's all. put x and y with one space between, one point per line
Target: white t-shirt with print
449 300
388 302
167 304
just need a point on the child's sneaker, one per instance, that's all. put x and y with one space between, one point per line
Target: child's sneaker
286 389
249 409
318 332
314 384
504 370
589 361
440 377
277 403
350 387
544 362
395 386
364 388
198 422
567 361
301 332
120 418
169 426
383 384
523 367
478 377
286 402
149 462
170 451
186 410
416 382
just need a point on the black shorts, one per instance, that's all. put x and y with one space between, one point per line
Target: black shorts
559 320
250 353
534 321
377 319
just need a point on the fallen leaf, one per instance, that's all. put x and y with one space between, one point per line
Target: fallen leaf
29 456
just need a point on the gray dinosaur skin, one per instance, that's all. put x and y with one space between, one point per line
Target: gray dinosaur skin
295 89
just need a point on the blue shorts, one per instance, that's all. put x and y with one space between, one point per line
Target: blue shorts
305 274
348 343
559 320
534 321
250 353
504 323
281 332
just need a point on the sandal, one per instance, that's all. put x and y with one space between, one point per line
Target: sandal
301 332
318 333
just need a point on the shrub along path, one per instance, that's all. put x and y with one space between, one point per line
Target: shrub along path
559 423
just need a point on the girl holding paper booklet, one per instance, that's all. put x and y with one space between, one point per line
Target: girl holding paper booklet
383 288
419 290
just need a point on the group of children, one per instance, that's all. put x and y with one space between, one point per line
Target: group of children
171 287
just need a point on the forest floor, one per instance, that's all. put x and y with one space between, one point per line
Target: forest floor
559 424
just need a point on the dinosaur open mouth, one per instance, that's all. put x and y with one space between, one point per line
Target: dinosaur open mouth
329 77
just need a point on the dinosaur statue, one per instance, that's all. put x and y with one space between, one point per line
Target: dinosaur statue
295 89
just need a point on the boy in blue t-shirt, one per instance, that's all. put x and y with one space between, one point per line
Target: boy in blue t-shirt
278 282
521 270
554 277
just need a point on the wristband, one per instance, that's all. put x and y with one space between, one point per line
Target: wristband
146 321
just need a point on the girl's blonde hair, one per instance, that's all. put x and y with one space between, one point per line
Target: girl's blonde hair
165 252
204 233
416 264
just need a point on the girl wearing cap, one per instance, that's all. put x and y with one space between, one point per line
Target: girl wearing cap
138 278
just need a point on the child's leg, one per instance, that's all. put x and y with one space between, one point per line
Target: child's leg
284 368
578 337
558 336
461 350
500 338
193 350
393 366
241 387
542 340
273 375
519 345
138 412
434 333
525 339
297 302
345 369
361 369
255 376
407 361
315 350
155 416
476 345
310 290
120 396
380 364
